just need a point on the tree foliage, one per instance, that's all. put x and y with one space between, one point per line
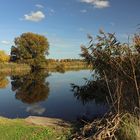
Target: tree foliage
3 57
30 48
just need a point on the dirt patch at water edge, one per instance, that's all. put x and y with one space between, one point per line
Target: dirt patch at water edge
51 122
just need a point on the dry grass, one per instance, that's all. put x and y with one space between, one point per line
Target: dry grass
111 127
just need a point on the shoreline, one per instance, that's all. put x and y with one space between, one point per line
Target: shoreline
34 127
15 68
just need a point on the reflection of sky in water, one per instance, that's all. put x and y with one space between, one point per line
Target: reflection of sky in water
59 104
35 109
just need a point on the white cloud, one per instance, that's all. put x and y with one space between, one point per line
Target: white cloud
97 3
34 16
39 6
83 11
4 42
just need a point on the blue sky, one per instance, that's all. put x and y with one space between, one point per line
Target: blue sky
66 23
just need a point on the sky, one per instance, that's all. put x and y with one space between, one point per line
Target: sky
66 23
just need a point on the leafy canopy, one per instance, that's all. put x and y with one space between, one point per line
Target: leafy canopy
30 48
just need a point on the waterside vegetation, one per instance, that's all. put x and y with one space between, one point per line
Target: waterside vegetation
116 77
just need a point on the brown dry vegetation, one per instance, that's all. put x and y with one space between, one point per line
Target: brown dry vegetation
117 69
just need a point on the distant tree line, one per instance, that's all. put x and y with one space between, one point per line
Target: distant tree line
65 60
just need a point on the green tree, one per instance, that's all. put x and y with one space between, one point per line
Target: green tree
31 49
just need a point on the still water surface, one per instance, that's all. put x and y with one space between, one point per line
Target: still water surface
47 95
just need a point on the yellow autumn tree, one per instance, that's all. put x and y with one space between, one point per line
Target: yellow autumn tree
3 57
3 82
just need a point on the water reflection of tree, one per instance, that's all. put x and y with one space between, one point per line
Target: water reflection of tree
3 81
31 88
122 96
91 91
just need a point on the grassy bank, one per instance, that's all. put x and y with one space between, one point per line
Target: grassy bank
19 129
58 65
13 68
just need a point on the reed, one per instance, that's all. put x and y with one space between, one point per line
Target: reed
117 70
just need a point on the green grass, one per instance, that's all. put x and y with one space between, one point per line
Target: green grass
129 128
18 129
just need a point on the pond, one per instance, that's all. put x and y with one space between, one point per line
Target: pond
46 94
